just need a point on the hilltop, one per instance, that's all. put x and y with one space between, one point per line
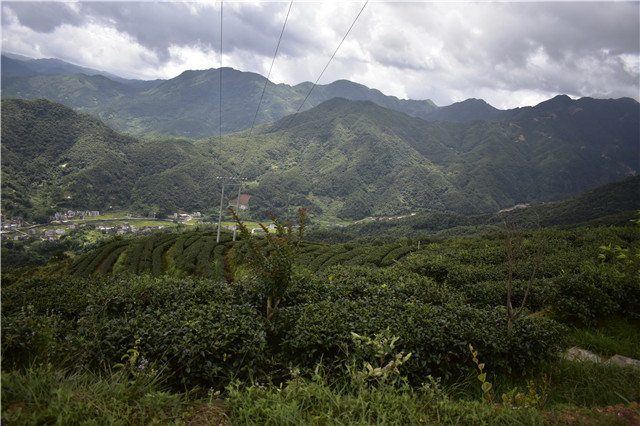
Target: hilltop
343 160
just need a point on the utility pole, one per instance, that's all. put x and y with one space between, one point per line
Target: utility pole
235 228
224 182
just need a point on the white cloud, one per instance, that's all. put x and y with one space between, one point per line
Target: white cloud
505 53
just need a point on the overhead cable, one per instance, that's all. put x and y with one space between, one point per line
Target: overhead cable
220 75
271 68
266 81
332 56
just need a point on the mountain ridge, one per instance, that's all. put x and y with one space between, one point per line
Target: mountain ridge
188 105
342 159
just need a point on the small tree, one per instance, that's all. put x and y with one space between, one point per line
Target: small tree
274 266
513 240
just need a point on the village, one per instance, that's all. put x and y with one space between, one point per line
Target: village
17 229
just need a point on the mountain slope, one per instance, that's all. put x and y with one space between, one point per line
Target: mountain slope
54 158
403 164
613 203
22 66
468 110
187 105
342 160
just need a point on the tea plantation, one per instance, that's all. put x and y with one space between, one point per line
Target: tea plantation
184 316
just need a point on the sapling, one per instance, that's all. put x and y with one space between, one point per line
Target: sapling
486 386
513 240
380 347
274 266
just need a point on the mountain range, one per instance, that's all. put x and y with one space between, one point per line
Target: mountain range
189 104
342 160
349 152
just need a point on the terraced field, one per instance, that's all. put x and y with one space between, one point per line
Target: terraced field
196 253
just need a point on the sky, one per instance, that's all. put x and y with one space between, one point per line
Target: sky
509 53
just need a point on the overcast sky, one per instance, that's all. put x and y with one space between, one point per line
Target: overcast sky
507 53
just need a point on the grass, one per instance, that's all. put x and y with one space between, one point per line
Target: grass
570 400
42 395
612 336
587 384
314 402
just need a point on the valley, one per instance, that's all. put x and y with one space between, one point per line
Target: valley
343 160
439 265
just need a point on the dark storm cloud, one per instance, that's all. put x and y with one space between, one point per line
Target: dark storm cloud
508 53
159 26
43 17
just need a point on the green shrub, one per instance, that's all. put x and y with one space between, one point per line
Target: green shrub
157 264
195 328
107 264
585 297
494 293
31 337
203 259
431 320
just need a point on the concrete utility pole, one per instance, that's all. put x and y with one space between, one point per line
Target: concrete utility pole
224 182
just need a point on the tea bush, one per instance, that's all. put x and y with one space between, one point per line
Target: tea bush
494 293
431 320
196 329
209 332
436 301
29 336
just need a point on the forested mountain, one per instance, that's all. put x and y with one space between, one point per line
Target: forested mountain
187 105
381 162
55 158
614 204
22 66
343 160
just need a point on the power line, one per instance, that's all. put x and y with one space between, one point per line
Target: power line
264 88
224 182
220 79
224 179
244 150
332 56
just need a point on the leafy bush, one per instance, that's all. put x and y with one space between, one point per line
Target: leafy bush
431 320
494 293
197 329
274 266
29 337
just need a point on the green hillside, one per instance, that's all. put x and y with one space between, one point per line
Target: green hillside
612 204
343 160
370 161
189 104
54 158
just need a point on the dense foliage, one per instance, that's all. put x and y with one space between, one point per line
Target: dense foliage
208 332
344 160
